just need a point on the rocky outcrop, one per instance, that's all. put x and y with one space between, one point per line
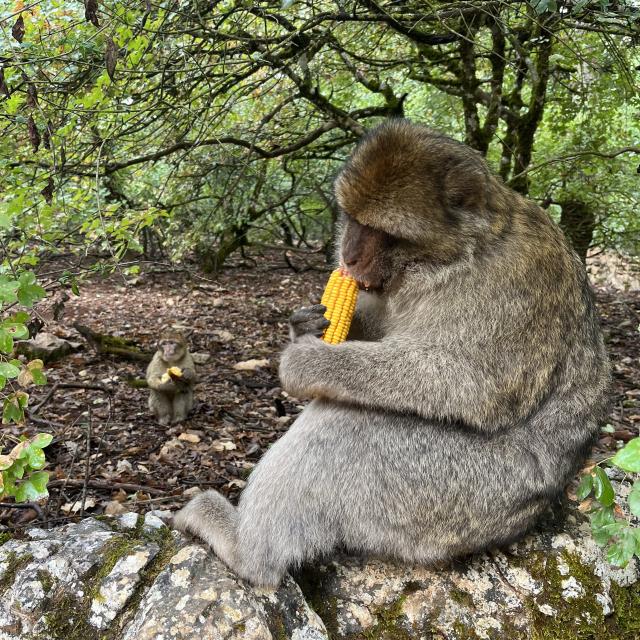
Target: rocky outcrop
131 577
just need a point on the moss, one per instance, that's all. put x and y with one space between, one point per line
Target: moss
314 586
461 597
46 580
277 627
67 616
392 623
388 627
66 619
138 530
624 623
463 632
147 576
327 609
575 618
580 618
112 552
110 521
14 564
5 537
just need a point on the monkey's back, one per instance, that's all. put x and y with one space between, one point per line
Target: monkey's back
426 488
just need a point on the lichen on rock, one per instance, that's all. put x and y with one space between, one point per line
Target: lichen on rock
132 578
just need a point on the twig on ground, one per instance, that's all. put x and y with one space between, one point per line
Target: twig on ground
87 462
106 486
44 400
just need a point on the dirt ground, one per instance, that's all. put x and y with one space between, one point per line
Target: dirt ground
109 455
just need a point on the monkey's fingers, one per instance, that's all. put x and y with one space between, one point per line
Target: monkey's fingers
307 313
316 326
309 320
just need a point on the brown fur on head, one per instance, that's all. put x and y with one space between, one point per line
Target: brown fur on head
172 346
415 184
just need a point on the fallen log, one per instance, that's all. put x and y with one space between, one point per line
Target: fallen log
112 345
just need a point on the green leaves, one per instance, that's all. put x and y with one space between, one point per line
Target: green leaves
621 538
32 374
20 474
602 488
24 290
10 331
33 488
628 458
14 407
585 487
28 290
620 552
541 6
8 290
9 369
634 499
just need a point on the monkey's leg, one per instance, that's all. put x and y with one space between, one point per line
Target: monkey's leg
161 406
288 513
182 404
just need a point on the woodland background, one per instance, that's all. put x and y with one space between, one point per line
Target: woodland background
170 164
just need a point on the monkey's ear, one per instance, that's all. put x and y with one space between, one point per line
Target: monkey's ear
465 187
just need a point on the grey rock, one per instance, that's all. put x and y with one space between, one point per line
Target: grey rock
46 346
551 578
130 577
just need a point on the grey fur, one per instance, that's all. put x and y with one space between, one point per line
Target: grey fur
468 400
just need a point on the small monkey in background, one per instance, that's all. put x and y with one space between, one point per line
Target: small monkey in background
171 376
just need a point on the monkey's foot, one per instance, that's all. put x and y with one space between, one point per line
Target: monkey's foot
211 517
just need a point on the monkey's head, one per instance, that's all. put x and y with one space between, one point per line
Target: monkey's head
409 194
172 346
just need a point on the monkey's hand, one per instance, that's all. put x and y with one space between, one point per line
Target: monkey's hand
157 383
308 321
296 371
188 375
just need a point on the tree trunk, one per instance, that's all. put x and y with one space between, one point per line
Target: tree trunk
578 222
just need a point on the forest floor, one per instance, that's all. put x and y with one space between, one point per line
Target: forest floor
109 455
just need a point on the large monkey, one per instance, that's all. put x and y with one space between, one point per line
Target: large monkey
469 397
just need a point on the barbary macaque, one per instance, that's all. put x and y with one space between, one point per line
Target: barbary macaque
467 394
171 376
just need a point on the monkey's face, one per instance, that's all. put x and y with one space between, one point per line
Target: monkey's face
171 350
366 253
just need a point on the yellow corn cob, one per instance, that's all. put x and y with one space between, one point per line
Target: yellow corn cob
175 372
340 299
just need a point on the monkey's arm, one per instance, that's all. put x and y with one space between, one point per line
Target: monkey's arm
401 375
188 368
155 383
156 369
